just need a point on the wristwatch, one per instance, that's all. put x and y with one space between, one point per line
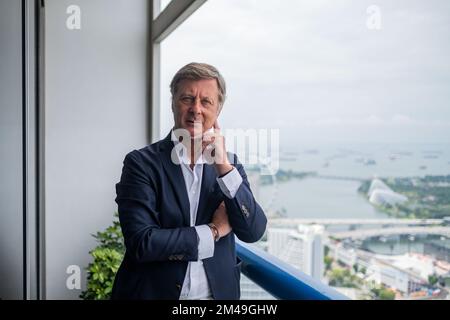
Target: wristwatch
215 231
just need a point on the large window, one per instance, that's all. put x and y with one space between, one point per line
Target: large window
359 94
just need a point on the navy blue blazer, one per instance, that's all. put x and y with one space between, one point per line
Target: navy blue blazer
154 215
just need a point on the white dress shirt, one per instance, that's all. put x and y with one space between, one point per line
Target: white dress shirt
195 285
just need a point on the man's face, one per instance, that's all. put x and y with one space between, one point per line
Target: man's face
196 105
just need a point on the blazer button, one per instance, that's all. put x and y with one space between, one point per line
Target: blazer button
244 210
178 286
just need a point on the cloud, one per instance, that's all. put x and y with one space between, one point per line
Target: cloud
401 119
377 121
316 58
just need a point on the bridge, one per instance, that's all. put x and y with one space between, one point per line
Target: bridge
331 177
367 233
295 221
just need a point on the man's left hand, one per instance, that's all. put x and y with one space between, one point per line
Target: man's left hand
216 142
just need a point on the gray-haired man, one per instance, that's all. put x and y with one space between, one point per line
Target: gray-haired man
181 201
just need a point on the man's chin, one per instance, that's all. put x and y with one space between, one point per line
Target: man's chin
193 131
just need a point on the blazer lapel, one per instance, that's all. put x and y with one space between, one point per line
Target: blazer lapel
176 178
207 188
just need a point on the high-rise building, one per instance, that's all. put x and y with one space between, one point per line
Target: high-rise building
251 291
301 247
277 239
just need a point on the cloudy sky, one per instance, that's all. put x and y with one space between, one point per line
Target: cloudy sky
316 71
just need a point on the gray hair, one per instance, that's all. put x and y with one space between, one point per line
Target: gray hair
199 71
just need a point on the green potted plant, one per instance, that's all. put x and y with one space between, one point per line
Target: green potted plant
107 256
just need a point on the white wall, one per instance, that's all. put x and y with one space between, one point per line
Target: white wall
95 112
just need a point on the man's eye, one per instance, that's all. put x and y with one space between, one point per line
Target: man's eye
207 103
187 99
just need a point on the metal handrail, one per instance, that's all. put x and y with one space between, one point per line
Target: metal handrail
280 279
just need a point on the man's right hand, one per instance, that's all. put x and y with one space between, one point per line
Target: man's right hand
220 220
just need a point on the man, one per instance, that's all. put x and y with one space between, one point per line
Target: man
183 199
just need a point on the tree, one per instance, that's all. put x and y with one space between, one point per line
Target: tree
383 293
343 278
328 261
386 294
432 279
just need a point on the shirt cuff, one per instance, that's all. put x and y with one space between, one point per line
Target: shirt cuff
205 242
230 183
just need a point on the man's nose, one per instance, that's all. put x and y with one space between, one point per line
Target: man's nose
196 106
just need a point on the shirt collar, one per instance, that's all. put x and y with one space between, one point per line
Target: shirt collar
181 149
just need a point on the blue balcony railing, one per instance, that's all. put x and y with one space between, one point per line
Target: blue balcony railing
281 279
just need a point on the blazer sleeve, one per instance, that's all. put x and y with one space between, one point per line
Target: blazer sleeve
145 240
245 215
